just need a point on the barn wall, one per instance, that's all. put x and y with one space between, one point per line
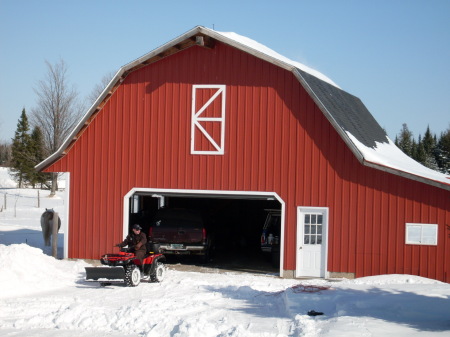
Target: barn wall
276 140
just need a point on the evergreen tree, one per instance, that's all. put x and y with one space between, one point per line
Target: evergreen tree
429 146
443 152
429 151
405 141
419 153
5 154
21 165
37 156
428 141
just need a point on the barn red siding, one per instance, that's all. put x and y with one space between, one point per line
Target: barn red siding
276 140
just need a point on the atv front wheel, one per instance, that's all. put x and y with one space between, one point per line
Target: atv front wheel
132 276
159 273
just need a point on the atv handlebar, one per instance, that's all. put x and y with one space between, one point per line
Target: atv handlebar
123 249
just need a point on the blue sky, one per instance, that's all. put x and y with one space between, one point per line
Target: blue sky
392 54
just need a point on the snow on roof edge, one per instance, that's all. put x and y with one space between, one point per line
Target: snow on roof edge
243 40
389 155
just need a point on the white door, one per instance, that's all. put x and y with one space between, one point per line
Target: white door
311 259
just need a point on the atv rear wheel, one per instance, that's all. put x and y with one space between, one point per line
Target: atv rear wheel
159 273
132 276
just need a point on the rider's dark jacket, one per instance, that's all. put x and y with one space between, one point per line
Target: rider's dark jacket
135 241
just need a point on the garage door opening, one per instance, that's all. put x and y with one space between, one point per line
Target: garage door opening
234 221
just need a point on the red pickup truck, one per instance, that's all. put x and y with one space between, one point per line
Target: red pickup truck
180 231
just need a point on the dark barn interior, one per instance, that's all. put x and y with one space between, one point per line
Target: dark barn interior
235 223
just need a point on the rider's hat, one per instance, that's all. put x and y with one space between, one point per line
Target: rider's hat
136 226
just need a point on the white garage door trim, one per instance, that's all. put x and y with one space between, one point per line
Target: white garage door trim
205 193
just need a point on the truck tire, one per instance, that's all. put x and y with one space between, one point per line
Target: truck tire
132 276
205 257
159 273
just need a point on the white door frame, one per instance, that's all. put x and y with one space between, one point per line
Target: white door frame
66 228
299 242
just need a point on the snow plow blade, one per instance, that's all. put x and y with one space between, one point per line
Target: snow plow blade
108 273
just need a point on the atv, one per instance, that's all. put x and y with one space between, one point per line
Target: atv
124 267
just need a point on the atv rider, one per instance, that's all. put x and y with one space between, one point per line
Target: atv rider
136 241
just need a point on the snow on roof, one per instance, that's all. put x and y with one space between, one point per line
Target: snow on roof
269 52
389 155
385 153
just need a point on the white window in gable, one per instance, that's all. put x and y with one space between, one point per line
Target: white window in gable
208 119
421 234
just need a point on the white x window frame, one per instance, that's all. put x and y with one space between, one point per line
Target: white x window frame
197 119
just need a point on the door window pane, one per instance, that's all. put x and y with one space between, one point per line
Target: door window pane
313 229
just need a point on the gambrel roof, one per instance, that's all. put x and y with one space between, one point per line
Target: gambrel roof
348 115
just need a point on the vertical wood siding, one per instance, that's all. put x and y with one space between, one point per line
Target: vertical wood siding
276 140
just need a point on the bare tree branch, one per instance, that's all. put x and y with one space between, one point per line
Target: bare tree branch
98 89
58 108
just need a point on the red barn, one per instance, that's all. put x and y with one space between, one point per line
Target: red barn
221 123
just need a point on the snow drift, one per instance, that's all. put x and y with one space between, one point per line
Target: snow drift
42 296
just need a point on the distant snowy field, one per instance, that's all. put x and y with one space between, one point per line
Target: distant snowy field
43 296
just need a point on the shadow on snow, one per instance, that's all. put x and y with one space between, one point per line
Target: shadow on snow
32 238
424 313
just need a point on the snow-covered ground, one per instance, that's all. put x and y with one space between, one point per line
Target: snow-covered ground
43 296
